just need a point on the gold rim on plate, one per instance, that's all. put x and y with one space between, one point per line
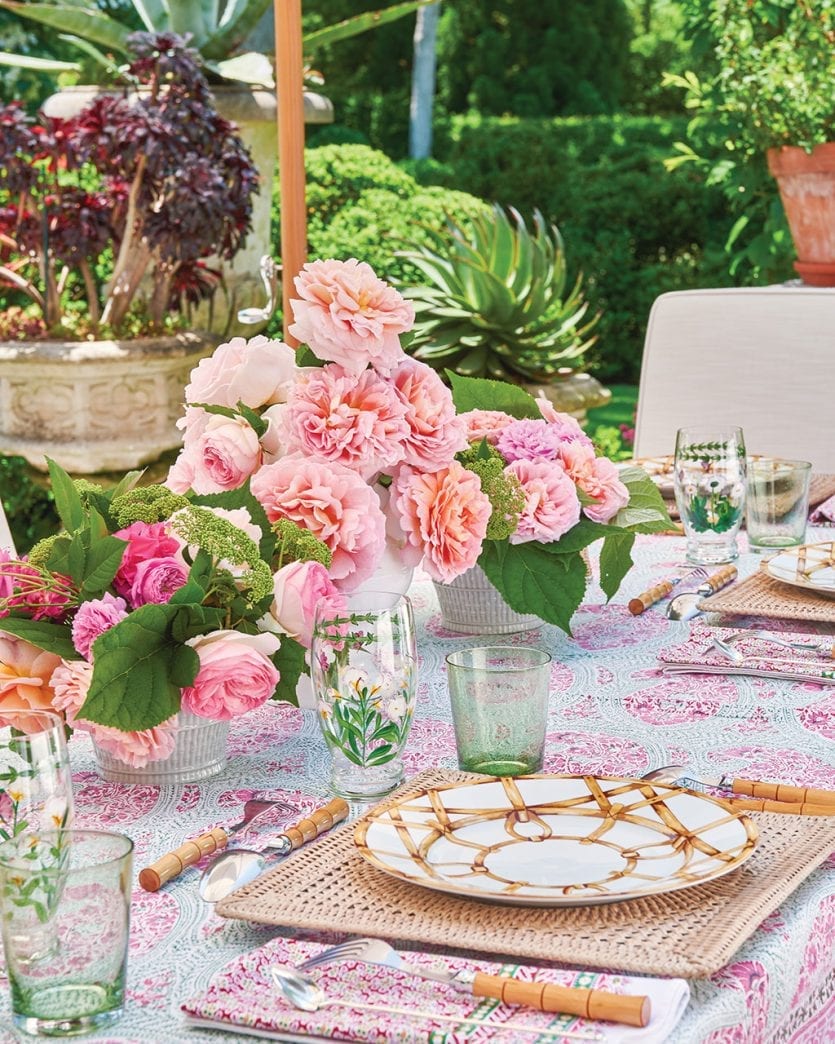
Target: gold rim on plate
810 566
554 840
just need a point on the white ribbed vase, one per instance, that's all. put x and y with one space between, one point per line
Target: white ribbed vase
471 605
200 752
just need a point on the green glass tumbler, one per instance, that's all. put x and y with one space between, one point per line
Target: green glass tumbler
499 697
65 899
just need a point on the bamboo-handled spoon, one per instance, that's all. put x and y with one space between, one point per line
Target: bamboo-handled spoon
799 800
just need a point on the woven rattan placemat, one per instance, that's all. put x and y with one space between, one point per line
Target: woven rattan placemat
760 595
692 933
821 488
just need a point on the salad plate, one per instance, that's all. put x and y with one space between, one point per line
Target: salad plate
810 566
549 840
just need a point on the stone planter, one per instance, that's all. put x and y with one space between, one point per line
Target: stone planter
95 405
807 189
253 110
573 393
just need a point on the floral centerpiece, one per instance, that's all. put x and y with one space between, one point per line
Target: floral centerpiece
299 476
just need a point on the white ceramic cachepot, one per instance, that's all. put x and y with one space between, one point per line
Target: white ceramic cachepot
471 605
200 752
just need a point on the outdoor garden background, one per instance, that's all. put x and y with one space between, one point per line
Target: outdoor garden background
575 108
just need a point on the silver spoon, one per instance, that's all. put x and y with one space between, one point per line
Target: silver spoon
686 605
303 993
233 869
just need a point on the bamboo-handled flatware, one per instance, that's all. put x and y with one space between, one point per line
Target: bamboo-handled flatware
759 795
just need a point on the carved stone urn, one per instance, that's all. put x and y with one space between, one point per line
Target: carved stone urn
95 405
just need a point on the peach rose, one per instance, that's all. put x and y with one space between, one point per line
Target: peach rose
71 682
445 515
257 372
551 504
349 316
137 749
355 420
236 674
484 424
597 477
25 673
334 503
436 434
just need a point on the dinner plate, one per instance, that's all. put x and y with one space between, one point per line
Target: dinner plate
549 840
810 566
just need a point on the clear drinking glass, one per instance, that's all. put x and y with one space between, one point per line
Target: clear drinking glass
35 778
710 474
499 699
777 503
364 670
65 898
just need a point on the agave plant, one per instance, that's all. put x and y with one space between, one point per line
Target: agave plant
218 29
494 302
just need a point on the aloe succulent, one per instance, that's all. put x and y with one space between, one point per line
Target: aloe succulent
494 302
218 30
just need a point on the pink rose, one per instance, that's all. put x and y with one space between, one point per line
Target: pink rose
218 453
485 424
137 749
551 503
349 316
25 673
94 618
255 372
567 427
156 580
299 588
436 434
71 682
334 503
236 674
598 478
355 420
445 515
273 441
529 440
145 541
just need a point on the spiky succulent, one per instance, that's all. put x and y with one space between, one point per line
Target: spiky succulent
494 301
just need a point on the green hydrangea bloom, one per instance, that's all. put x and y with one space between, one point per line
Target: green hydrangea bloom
146 504
296 544
225 543
503 491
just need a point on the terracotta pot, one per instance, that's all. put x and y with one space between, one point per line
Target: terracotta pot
807 189
95 405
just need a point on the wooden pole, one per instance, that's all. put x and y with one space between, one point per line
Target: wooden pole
290 94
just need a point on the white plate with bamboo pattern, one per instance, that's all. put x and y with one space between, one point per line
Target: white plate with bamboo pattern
810 566
549 840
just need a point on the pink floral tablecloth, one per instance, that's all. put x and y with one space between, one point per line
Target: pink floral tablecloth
612 711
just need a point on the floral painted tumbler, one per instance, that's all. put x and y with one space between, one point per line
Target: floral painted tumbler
710 476
364 667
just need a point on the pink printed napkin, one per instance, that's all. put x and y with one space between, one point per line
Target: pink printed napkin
762 658
243 998
824 514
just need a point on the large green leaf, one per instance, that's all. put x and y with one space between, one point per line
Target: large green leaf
532 581
646 511
67 501
615 559
137 661
290 660
86 22
45 634
475 393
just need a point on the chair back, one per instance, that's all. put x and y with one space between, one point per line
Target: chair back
762 358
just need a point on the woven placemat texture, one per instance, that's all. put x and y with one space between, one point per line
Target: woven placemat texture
821 488
692 933
760 595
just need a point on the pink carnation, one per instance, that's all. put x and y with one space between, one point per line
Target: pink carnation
436 434
145 540
94 618
218 453
484 424
334 503
71 682
598 478
528 440
551 503
567 427
444 514
255 372
349 316
355 420
300 588
236 674
137 749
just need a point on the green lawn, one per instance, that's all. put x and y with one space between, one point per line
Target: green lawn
604 422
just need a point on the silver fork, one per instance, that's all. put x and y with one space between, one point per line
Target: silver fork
724 644
631 1009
